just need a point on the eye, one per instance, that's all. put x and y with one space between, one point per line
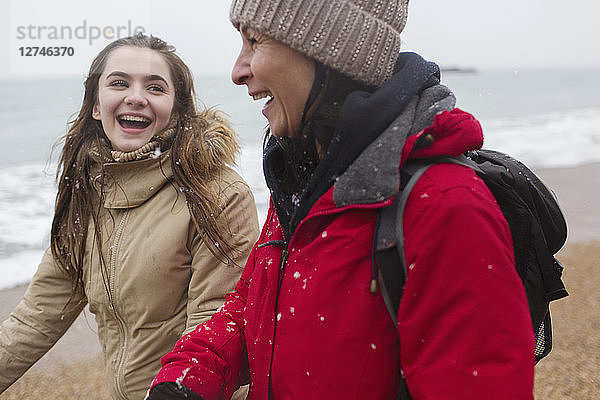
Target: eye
119 83
156 88
251 38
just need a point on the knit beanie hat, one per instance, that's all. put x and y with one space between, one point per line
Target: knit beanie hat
359 38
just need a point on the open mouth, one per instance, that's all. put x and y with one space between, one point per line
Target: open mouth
262 95
133 121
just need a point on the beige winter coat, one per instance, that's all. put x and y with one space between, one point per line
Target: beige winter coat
163 279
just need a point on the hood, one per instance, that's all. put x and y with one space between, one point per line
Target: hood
217 140
429 126
208 148
412 115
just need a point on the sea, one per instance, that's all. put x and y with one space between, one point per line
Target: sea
546 118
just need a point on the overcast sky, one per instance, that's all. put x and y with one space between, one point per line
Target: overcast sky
515 34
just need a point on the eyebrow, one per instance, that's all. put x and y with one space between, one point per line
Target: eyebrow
147 77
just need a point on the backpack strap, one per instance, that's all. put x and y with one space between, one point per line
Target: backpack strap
388 246
388 251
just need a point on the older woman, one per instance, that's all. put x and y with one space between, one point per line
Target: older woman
345 111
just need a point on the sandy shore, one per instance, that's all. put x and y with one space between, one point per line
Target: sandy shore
578 192
73 368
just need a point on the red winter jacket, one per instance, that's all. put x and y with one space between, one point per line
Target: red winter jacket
303 324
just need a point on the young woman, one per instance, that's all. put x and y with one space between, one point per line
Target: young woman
346 110
151 227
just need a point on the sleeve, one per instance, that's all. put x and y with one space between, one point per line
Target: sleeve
38 321
212 359
464 323
211 279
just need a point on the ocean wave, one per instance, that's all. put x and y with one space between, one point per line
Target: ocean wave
26 205
19 268
548 140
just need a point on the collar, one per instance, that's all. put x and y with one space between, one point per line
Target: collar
130 184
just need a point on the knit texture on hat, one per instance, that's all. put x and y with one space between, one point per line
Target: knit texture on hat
359 38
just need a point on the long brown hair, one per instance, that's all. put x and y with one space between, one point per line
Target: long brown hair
78 202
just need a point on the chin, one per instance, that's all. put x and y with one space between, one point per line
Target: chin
127 144
127 147
280 132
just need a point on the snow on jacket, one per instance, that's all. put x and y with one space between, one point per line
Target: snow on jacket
302 322
163 278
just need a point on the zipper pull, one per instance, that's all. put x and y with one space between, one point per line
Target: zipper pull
373 286
284 256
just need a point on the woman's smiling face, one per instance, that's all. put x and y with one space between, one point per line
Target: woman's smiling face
272 69
135 97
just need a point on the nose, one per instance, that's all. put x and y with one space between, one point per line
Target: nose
135 97
241 69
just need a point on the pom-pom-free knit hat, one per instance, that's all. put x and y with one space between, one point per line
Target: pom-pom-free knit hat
359 38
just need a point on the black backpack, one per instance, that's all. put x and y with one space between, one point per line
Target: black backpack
536 223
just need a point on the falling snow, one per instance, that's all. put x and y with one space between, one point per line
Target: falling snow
296 200
157 153
182 376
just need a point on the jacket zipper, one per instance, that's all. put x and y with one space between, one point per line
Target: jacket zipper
284 245
285 252
113 267
284 256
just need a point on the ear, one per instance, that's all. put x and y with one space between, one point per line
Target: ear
96 111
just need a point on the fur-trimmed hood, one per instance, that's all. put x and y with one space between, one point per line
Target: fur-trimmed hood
218 141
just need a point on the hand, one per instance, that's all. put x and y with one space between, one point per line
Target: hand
172 391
